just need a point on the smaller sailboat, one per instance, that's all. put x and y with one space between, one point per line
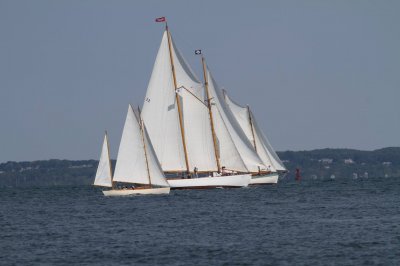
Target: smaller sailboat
137 164
103 174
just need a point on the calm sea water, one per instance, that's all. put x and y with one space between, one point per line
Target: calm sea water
354 222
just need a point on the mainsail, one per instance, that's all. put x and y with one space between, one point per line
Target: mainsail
246 120
161 115
103 174
134 163
249 159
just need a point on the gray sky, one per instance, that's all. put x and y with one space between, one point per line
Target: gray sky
316 73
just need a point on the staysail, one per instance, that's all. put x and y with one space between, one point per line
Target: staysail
131 164
251 160
103 174
248 123
262 139
161 116
156 173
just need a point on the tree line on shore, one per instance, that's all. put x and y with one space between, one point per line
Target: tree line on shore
314 164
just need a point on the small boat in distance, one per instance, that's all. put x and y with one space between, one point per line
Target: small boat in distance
137 164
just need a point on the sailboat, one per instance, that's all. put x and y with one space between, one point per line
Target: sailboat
136 163
103 176
179 123
260 143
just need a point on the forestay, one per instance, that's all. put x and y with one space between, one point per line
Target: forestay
251 160
103 174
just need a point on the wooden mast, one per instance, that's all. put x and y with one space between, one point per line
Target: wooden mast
109 161
252 130
144 147
177 100
252 133
210 113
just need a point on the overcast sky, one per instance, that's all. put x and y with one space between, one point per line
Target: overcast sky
317 74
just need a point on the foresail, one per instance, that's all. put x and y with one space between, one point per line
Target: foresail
131 161
156 173
243 145
273 157
227 152
160 113
103 174
242 117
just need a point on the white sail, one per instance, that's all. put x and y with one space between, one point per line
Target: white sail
131 164
241 115
103 174
156 174
228 154
251 160
160 113
262 139
198 133
255 135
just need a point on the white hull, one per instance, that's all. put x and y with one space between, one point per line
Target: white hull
127 192
264 179
211 182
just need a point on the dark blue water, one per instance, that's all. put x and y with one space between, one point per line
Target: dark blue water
354 222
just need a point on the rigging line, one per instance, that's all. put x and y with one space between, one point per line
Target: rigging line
192 95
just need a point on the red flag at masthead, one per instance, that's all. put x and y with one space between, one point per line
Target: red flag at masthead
161 19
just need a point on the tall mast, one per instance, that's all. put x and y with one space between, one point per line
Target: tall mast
252 129
177 99
144 146
109 161
203 62
252 133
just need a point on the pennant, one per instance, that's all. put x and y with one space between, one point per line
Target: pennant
160 19
197 52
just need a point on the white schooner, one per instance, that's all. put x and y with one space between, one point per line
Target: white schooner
199 138
191 133
137 164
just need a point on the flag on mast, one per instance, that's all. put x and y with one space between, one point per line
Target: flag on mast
160 19
197 51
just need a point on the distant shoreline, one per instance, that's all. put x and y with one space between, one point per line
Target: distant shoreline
314 164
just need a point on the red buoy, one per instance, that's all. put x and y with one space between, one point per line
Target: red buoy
298 176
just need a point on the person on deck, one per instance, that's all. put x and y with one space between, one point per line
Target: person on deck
225 171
